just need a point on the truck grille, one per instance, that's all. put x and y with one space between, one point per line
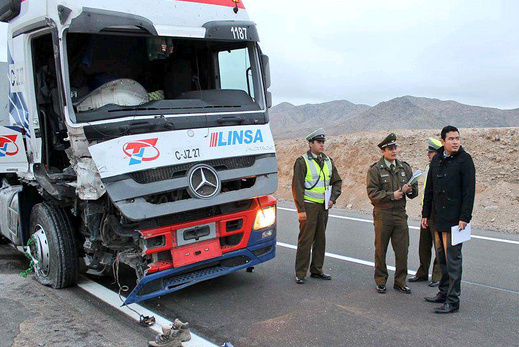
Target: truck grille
174 171
202 213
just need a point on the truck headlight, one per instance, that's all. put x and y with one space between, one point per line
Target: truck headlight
265 218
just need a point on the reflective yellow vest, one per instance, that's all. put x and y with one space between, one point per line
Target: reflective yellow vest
316 180
425 181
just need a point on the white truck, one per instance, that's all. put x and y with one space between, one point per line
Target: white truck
136 132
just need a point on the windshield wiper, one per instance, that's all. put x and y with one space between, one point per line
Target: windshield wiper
150 125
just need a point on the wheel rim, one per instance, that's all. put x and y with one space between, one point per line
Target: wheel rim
40 250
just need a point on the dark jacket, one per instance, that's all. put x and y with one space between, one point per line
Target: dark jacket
450 191
381 183
298 181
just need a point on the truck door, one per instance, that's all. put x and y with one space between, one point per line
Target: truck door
52 129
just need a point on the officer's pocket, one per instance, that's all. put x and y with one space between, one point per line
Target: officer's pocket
385 184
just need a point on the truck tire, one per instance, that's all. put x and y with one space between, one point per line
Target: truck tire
53 246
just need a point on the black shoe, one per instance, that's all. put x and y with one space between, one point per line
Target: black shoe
404 289
417 279
381 289
434 283
321 276
447 308
300 280
439 298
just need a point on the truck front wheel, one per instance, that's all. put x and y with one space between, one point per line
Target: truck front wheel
52 246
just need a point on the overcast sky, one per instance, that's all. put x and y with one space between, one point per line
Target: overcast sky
368 51
374 50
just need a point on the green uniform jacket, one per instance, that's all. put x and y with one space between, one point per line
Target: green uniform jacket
298 181
381 183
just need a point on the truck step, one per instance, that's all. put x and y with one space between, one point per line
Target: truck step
193 276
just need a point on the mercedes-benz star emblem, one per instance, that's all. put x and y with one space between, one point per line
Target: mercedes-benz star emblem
203 182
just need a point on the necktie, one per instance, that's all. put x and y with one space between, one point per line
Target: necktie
392 167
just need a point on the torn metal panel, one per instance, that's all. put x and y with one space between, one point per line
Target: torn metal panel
89 185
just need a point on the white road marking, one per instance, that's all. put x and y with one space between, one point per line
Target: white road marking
392 268
112 299
342 257
410 227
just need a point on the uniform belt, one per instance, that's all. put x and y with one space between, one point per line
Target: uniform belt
390 209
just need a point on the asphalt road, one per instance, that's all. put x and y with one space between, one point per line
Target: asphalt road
33 315
266 308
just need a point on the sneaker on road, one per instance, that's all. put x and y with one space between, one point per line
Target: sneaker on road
168 338
185 332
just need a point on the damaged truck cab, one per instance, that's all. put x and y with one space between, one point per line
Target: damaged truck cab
136 133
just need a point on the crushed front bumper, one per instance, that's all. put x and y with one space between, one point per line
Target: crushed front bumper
174 279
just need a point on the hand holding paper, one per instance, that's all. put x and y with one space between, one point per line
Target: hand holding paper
327 196
459 235
407 189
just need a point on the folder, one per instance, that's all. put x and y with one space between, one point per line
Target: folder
458 236
327 196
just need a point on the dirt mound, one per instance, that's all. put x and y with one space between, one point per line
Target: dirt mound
495 153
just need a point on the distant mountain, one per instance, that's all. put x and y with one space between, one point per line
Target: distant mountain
289 121
407 112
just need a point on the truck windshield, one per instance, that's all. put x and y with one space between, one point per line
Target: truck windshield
114 76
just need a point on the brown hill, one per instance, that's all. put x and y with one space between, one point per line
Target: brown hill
289 121
495 153
407 112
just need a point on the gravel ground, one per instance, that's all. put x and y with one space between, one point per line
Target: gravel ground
495 153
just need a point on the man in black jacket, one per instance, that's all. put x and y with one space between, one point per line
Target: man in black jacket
449 199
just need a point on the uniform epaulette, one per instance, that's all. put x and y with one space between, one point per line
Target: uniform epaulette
375 163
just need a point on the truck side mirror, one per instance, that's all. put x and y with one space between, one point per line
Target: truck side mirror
269 99
266 70
9 9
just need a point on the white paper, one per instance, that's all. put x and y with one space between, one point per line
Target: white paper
327 196
459 236
415 176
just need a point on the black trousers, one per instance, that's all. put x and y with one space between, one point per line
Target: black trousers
450 260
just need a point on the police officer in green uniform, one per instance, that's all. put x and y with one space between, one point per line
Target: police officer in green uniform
426 235
316 185
387 189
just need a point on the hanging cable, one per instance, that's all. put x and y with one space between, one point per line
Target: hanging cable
146 321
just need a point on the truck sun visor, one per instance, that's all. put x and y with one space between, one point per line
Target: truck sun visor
92 20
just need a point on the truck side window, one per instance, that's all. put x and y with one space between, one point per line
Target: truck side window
235 71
